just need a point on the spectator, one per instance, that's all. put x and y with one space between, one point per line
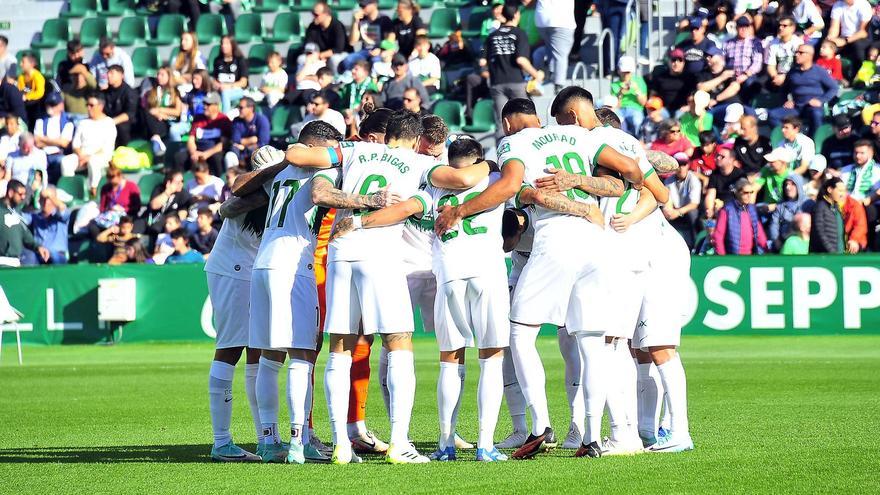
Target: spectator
392 91
163 108
11 138
412 101
164 247
93 144
407 27
193 105
382 71
791 203
649 129
121 104
506 55
319 109
732 127
829 60
208 138
188 60
425 65
109 54
23 163
556 25
273 84
780 54
750 147
672 84
855 226
739 229
120 194
703 162
169 199
696 119
696 47
873 132
684 201
614 17
495 21
250 131
773 175
307 68
632 94
231 175
809 22
671 141
75 54
230 72
721 189
32 85
203 239
455 52
745 55
204 188
827 233
76 93
849 28
53 134
350 97
8 63
115 238
15 235
862 181
799 241
328 33
182 252
809 88
135 252
817 175
802 147
368 27
11 99
838 148
50 226
704 245
720 83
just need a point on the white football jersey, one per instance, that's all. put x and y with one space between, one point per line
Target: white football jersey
288 241
366 168
474 246
234 250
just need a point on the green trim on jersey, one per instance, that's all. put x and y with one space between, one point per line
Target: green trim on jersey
510 160
328 179
422 202
649 172
516 200
428 178
618 208
596 156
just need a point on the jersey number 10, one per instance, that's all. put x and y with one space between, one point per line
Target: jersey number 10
572 163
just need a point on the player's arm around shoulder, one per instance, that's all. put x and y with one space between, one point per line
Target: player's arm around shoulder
559 202
267 162
325 193
610 158
236 206
499 191
603 184
644 207
390 215
447 177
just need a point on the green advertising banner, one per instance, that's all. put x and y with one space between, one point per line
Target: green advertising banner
757 295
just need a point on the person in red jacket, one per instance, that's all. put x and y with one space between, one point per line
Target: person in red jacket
855 225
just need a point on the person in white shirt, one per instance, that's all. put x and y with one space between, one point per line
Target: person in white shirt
273 84
204 188
780 53
93 144
22 164
802 147
9 140
849 28
425 65
318 108
53 134
684 200
809 20
555 22
8 63
109 54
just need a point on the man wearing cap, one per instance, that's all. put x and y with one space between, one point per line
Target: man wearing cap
780 53
838 148
750 147
328 33
672 83
773 176
368 27
208 138
720 190
745 55
695 47
739 229
392 91
53 133
809 89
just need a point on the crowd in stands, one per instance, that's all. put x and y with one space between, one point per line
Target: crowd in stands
771 109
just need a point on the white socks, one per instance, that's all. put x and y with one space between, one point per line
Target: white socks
573 390
298 378
337 382
383 380
516 403
489 393
530 373
650 395
672 374
267 399
614 397
448 398
357 429
593 364
220 401
402 392
250 389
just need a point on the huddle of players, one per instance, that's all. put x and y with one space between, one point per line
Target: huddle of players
597 272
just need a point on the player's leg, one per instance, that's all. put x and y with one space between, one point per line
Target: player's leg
362 439
516 405
450 317
650 397
624 439
672 375
271 447
251 366
572 359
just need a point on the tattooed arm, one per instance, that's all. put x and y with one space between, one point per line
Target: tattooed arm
390 215
644 207
324 194
561 181
662 162
558 202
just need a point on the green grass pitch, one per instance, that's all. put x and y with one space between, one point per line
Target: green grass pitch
768 414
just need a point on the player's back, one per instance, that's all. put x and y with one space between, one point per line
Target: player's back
628 146
234 250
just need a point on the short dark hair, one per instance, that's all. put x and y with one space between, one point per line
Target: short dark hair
465 150
363 64
10 115
98 96
179 234
436 131
707 138
509 11
30 57
788 17
248 101
518 105
375 121
4 39
830 183
607 117
201 166
106 42
793 120
318 133
125 219
74 45
566 96
14 185
510 222
116 68
863 142
205 211
323 71
404 124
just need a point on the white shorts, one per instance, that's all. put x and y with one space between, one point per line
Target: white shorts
284 311
230 316
555 287
624 291
662 313
473 307
372 293
422 291
518 261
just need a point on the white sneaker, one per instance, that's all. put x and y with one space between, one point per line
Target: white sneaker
513 441
574 437
406 454
368 443
673 443
612 447
461 443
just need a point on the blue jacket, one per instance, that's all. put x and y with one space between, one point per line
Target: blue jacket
259 127
783 216
814 82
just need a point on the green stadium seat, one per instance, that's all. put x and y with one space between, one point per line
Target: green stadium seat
452 112
80 8
212 55
457 4
776 136
132 31
849 94
55 33
210 28
387 4
301 5
92 30
60 56
257 57
280 118
483 118
474 25
824 132
249 28
168 30
767 100
118 8
265 6
75 186
443 22
187 176
145 60
287 27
